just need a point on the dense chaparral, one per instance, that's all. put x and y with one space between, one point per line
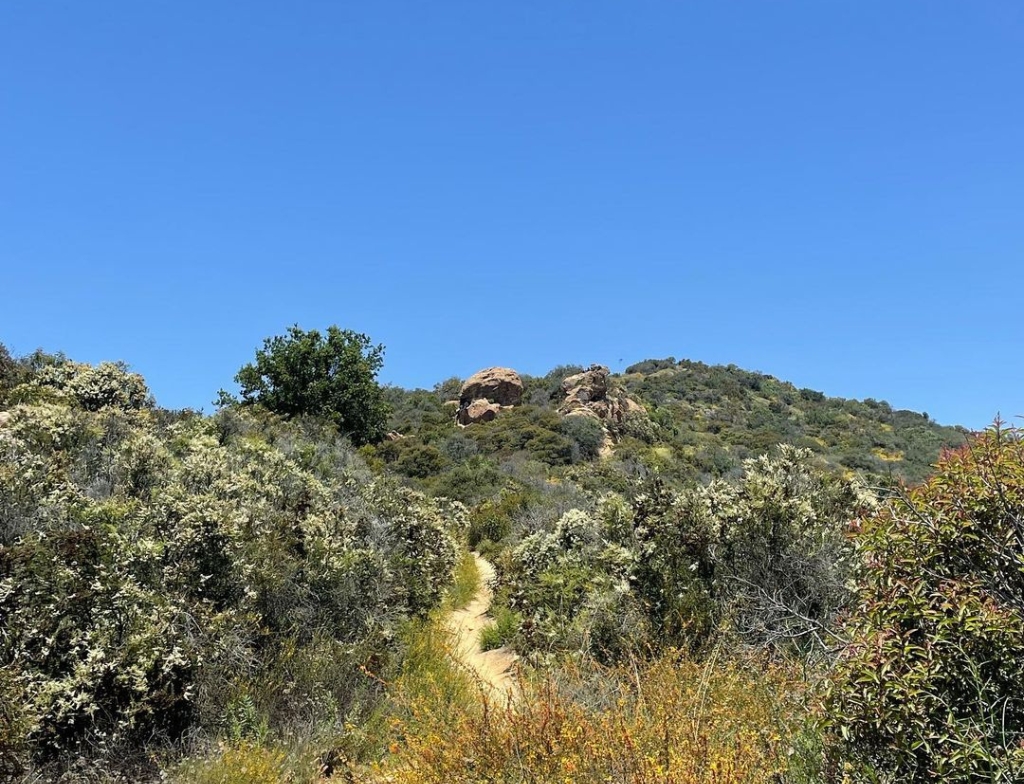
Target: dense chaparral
704 575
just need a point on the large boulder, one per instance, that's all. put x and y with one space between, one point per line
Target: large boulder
496 385
586 387
590 394
5 417
478 411
612 411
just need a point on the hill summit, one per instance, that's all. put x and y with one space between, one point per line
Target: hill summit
685 420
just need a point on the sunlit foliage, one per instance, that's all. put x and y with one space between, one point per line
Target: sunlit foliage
930 685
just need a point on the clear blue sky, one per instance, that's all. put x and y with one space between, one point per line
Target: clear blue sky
829 192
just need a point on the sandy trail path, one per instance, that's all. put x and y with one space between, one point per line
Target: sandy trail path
493 669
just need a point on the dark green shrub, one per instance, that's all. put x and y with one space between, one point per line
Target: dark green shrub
503 631
469 481
458 447
418 411
649 366
332 376
586 434
529 429
492 520
421 461
546 391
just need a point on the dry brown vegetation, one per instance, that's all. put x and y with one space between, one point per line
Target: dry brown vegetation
673 720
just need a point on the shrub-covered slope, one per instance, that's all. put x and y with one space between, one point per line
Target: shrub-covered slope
703 422
171 578
714 415
236 589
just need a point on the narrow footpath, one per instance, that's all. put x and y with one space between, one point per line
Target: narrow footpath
493 670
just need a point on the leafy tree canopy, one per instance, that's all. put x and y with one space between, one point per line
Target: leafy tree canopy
332 375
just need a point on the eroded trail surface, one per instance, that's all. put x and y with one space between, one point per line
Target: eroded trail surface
492 669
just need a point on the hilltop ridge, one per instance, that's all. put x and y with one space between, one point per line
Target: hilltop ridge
686 420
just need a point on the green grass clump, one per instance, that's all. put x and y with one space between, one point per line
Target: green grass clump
465 584
506 624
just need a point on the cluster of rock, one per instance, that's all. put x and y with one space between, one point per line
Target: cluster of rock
486 393
589 394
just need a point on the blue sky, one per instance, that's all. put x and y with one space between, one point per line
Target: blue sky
829 192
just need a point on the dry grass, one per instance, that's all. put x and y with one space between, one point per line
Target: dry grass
670 722
247 762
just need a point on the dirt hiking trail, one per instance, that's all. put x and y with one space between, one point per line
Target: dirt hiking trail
493 670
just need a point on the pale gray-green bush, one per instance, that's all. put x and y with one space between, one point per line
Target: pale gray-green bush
155 570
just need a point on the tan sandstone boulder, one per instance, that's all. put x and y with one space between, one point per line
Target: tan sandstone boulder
586 387
590 394
497 385
478 411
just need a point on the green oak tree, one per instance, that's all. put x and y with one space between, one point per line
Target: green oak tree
331 375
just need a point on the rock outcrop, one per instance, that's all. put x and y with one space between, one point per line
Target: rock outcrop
5 417
589 394
486 393
497 385
479 411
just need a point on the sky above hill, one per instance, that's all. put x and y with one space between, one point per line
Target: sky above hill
828 192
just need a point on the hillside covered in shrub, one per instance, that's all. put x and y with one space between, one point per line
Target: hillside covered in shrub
705 566
701 422
167 578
